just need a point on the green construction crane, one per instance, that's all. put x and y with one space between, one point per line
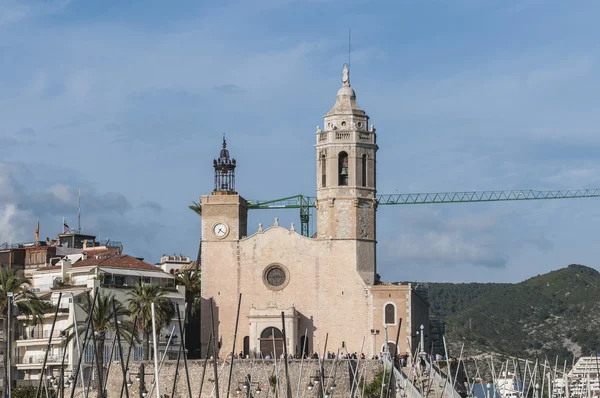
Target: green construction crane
304 203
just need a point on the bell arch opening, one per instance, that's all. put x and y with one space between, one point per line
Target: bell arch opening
343 169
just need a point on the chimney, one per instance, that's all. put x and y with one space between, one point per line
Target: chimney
65 266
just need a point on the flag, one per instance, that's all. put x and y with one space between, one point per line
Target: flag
65 227
37 232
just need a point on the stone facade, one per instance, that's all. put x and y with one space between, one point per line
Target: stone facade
325 285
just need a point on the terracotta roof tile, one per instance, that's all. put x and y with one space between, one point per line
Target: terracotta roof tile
117 261
114 261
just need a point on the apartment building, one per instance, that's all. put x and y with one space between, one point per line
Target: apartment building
72 278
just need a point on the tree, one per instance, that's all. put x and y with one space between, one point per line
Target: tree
26 392
373 388
196 208
103 321
140 300
190 278
25 299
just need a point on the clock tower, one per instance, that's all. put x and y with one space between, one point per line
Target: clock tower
224 212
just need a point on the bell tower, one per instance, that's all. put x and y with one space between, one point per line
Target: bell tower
346 185
224 212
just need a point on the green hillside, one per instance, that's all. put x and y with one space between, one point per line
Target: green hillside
557 313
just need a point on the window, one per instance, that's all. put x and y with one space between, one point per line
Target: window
323 171
390 314
364 170
343 168
246 345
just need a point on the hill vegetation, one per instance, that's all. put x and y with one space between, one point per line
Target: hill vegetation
557 313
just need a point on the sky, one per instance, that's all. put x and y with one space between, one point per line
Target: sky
127 101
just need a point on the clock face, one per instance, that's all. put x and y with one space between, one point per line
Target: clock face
221 230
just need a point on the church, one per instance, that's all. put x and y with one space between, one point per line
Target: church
325 285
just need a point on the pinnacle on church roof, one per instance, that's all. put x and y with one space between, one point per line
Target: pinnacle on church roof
224 151
346 76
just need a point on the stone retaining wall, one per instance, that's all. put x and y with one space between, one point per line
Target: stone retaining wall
261 374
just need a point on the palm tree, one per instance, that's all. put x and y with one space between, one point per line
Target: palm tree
196 207
103 321
190 278
25 299
140 300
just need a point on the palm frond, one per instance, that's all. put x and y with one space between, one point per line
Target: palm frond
196 207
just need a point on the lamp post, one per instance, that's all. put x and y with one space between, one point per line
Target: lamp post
374 333
328 384
9 296
489 386
422 340
141 378
247 385
537 390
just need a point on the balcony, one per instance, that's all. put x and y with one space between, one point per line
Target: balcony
63 309
38 337
40 334
36 361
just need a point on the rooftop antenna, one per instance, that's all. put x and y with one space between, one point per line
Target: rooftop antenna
79 213
349 46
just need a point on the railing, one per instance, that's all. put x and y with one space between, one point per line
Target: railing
27 383
61 310
40 334
342 136
39 359
401 380
442 379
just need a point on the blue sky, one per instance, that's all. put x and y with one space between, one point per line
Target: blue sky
128 102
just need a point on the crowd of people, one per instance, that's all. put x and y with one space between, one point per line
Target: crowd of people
403 359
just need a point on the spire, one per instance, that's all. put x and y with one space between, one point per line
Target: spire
224 152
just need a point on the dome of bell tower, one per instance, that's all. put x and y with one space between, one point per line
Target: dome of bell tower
345 100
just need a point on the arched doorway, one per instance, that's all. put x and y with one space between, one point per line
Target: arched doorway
271 342
246 345
391 348
304 347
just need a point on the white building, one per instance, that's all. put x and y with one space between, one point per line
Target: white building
173 264
116 274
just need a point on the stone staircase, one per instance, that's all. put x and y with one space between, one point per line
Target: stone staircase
431 383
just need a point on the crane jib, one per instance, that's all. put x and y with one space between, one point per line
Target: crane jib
304 203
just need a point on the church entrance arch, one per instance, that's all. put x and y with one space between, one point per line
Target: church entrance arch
271 342
391 348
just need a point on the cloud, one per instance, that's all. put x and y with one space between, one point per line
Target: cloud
446 249
430 238
109 214
13 11
25 132
119 106
153 206
575 177
229 89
